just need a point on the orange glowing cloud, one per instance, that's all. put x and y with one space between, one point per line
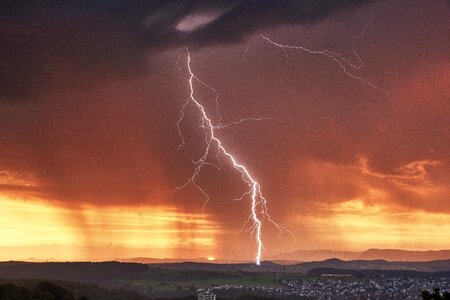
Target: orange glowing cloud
354 207
356 225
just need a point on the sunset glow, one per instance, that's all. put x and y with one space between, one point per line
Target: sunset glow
100 233
377 226
152 129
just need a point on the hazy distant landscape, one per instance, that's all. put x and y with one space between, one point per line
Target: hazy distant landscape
304 274
307 280
370 254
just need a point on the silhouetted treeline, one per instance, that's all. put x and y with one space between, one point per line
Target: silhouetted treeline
74 271
80 291
436 294
43 291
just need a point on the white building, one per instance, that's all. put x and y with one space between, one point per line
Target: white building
206 295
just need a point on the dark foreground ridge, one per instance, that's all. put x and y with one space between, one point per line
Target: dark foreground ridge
45 290
333 279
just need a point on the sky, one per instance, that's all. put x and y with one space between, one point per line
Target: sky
91 92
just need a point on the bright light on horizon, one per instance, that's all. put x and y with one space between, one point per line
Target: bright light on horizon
41 229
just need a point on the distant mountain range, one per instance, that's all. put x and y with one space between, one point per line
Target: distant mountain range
107 271
334 263
315 255
291 258
404 255
371 254
300 256
150 260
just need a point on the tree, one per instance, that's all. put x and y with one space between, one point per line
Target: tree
446 296
435 295
13 292
50 291
426 295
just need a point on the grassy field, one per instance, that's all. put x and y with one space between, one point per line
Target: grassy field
162 281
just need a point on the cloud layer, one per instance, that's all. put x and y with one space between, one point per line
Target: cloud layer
52 43
91 93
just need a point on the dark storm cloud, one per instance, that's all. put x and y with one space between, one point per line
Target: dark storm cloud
46 44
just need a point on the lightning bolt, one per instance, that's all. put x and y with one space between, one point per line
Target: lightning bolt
258 201
345 64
